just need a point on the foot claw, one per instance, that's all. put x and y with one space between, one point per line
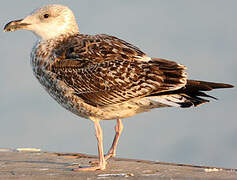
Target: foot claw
96 162
90 168
107 156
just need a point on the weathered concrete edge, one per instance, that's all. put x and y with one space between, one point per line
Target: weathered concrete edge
82 155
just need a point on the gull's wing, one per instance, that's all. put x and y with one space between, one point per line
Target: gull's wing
117 81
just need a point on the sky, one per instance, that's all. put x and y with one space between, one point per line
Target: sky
198 34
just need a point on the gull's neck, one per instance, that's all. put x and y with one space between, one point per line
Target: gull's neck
56 38
49 35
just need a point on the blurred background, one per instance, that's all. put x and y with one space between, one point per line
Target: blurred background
198 34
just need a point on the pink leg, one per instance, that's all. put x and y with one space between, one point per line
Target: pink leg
118 130
102 162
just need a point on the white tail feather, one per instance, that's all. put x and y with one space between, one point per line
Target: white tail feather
174 100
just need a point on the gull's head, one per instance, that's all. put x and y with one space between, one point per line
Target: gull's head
47 22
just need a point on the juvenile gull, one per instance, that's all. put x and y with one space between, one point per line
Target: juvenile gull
101 77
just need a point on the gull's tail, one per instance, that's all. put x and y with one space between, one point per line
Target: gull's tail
190 95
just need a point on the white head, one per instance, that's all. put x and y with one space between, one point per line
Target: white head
47 22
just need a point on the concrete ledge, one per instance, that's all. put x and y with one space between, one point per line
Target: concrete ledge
28 165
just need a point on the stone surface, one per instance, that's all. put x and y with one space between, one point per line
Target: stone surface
45 165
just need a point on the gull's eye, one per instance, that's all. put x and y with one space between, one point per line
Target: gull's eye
46 16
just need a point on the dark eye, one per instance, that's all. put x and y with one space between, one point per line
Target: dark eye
46 15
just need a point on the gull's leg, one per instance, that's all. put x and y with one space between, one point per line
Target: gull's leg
102 163
112 151
99 136
118 130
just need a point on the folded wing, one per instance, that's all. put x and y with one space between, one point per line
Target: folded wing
116 81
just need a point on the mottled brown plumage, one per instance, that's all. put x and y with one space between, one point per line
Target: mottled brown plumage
101 77
97 48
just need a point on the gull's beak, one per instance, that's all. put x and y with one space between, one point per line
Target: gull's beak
14 25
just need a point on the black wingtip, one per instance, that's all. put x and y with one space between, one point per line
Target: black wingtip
207 86
222 85
228 86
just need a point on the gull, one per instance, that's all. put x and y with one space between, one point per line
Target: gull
101 77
